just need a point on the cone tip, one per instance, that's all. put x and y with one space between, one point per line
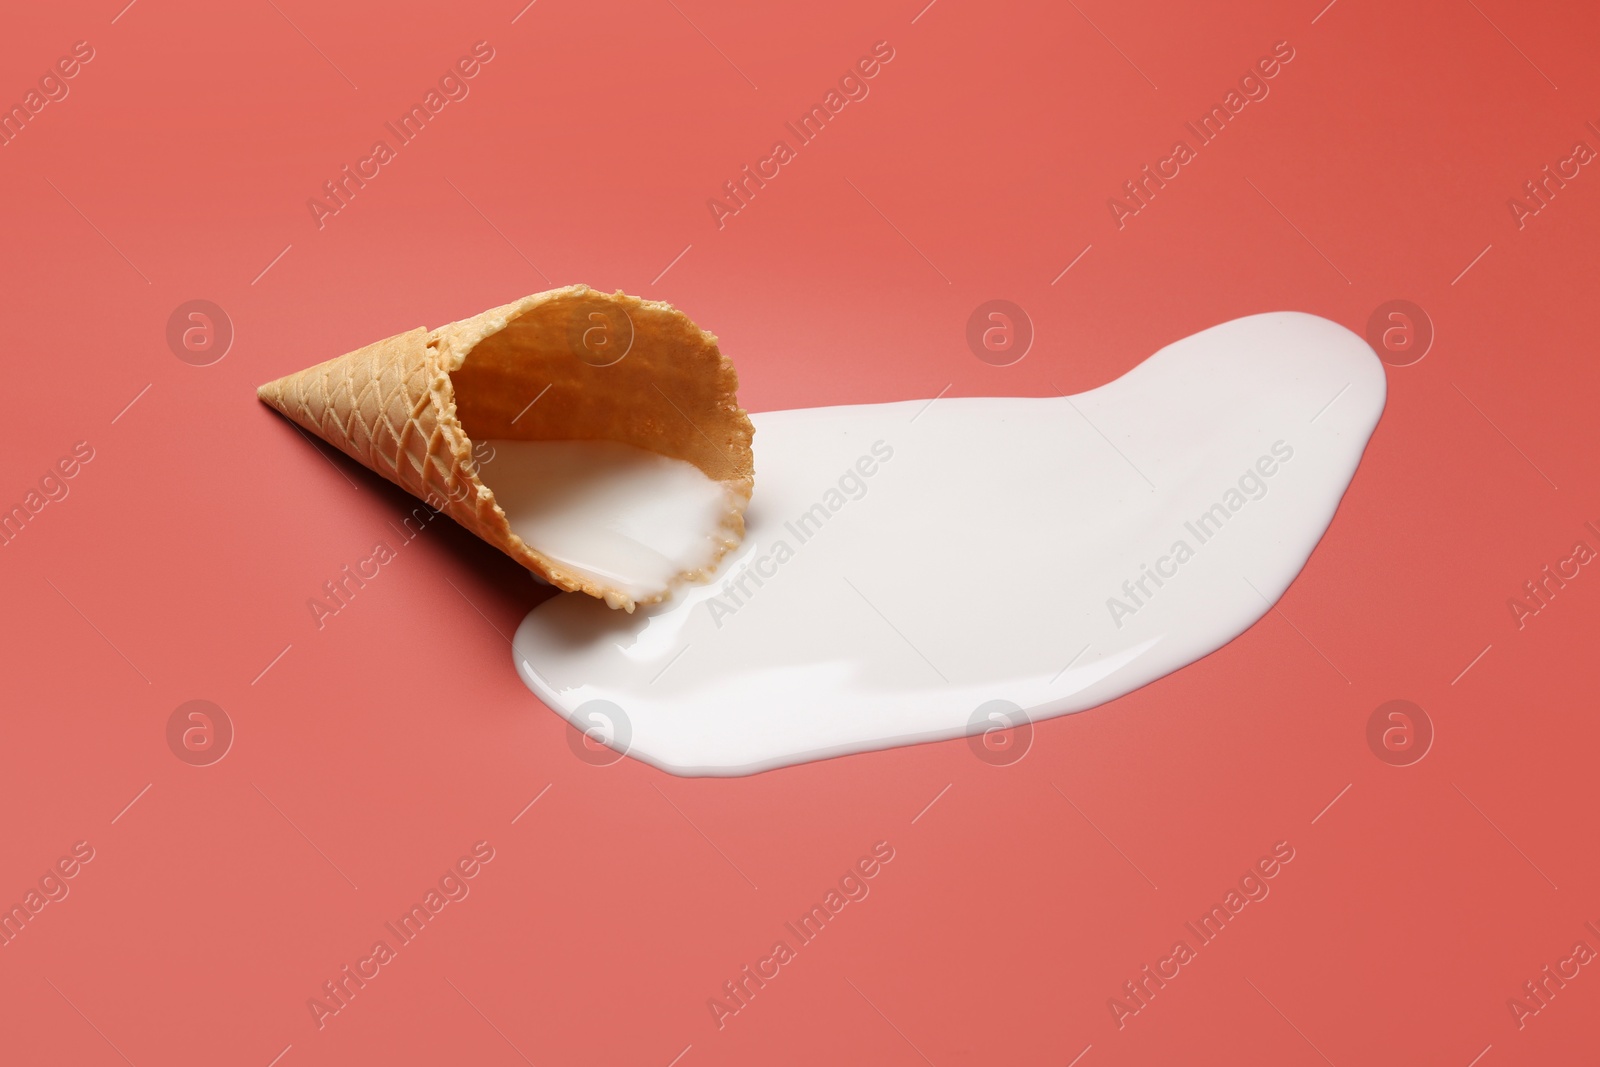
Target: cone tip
271 394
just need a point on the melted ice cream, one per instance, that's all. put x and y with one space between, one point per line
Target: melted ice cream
909 568
619 515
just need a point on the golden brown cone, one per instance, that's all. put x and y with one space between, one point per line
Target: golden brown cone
568 364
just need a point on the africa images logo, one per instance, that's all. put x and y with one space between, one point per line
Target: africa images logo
338 192
853 87
1252 485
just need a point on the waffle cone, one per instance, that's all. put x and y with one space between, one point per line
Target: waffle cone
568 364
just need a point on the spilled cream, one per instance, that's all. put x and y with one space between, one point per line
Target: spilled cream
909 568
622 516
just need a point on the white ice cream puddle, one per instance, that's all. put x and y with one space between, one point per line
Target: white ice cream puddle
907 564
620 515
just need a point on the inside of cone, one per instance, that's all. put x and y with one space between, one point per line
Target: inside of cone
592 366
609 431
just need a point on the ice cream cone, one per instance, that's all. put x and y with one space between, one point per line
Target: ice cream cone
602 367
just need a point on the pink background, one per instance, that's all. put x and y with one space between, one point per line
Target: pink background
372 754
